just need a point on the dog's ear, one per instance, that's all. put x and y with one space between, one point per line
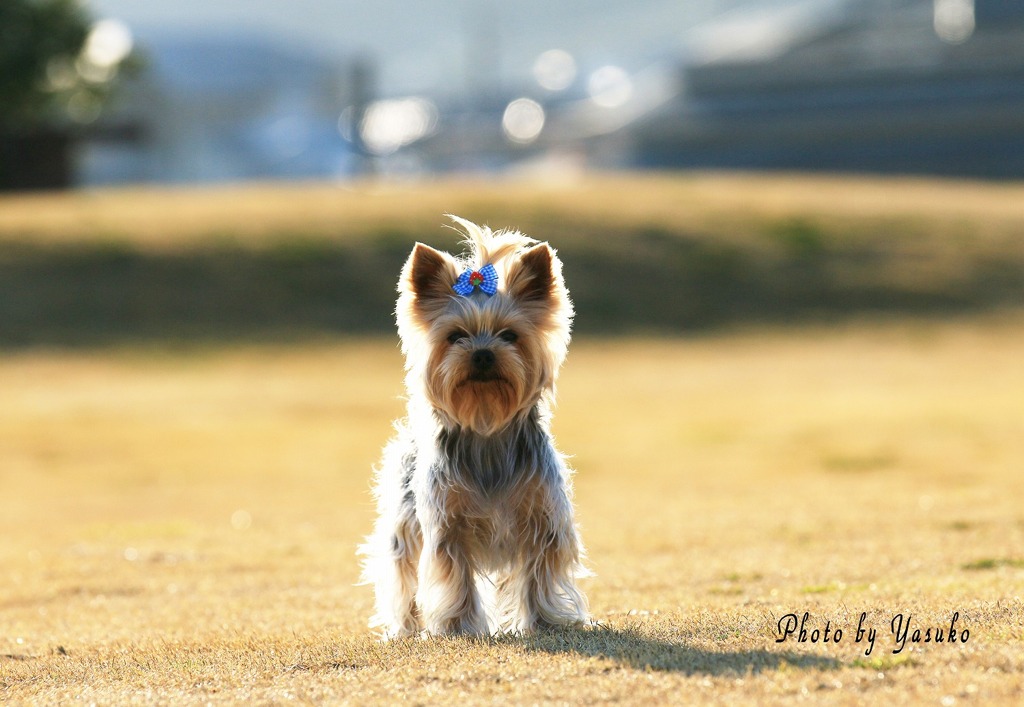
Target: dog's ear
532 279
428 276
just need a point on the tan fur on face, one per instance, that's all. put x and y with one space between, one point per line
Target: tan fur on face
531 301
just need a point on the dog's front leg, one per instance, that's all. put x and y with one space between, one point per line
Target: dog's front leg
447 596
539 590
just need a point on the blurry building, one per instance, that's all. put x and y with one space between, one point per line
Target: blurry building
914 86
884 86
219 108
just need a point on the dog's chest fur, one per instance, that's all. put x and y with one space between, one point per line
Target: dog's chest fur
492 487
493 465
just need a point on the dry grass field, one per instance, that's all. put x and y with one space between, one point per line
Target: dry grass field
259 263
185 467
180 528
738 204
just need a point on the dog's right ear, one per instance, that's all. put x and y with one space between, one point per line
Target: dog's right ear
428 276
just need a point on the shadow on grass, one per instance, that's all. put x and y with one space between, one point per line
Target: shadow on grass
98 293
631 648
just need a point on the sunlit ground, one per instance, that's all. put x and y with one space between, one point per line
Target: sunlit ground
181 528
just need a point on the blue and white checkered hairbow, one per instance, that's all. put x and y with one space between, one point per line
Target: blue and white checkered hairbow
486 278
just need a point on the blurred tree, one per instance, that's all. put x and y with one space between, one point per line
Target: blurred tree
49 82
37 37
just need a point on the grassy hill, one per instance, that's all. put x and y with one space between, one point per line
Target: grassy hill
655 254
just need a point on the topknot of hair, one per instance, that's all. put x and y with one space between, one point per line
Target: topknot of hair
487 246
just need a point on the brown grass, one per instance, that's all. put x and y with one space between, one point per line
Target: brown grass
181 529
698 251
161 218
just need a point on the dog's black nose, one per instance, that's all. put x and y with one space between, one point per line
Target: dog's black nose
483 359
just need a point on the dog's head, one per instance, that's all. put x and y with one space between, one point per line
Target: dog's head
485 333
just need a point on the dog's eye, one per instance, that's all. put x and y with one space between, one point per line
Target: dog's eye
508 336
456 336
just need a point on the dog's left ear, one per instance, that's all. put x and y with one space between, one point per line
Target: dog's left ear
532 278
427 277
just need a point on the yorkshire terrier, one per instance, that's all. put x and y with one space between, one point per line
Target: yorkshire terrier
473 498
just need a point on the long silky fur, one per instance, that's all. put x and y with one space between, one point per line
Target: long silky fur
475 530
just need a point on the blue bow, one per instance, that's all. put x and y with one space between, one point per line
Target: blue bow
486 278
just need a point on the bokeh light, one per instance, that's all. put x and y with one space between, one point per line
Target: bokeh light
392 124
523 120
84 107
610 87
61 74
954 20
108 44
555 70
241 520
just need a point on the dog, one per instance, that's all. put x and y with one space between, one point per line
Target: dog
475 533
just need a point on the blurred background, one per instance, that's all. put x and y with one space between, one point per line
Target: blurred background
107 92
736 161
